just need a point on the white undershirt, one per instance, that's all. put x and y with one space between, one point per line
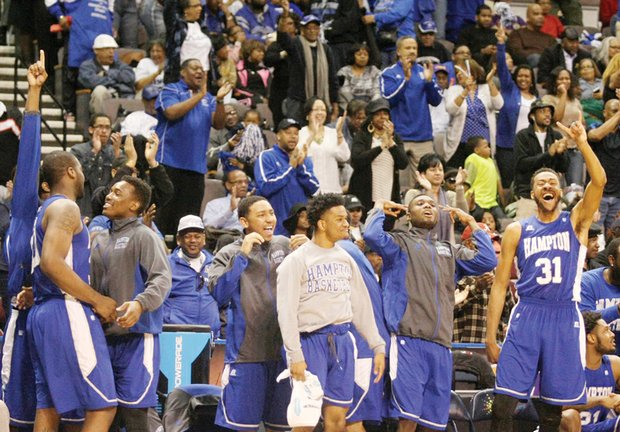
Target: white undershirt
382 173
196 45
523 121
541 139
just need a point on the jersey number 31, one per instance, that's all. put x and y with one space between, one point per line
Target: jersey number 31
551 270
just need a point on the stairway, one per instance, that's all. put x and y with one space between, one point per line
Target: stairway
49 111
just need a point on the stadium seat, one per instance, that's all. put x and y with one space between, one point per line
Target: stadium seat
192 408
458 412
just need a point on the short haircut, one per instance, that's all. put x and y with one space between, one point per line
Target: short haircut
402 39
542 170
416 196
243 209
482 7
55 166
250 45
95 116
430 160
590 320
613 247
355 106
141 190
473 142
320 204
186 63
310 103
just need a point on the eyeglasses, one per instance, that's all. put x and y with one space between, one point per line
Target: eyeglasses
245 181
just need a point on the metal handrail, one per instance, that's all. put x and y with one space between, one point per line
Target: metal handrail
45 91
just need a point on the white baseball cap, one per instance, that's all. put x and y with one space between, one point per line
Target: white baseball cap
190 222
104 41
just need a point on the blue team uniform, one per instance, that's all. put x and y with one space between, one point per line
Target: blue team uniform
546 333
603 297
69 352
599 382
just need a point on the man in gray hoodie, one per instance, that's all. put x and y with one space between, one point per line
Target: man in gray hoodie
129 264
321 292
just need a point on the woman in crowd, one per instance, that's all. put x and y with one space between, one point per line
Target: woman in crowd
591 87
185 39
377 155
611 78
518 91
562 88
150 70
253 77
324 145
471 104
608 49
359 80
430 181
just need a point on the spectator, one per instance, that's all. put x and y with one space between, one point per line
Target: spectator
430 179
536 147
95 157
460 55
284 174
106 77
358 80
566 54
429 49
221 213
245 142
591 86
312 71
258 19
356 209
220 137
151 14
409 88
277 58
84 20
611 79
471 105
600 289
593 248
324 145
605 141
571 11
439 115
377 156
608 49
297 221
185 112
253 77
527 44
459 15
394 20
519 92
218 17
10 131
356 116
552 24
185 38
150 70
236 36
484 178
480 37
562 87
222 68
424 300
190 301
607 10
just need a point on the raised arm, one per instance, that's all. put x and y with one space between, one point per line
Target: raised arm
583 212
498 290
375 236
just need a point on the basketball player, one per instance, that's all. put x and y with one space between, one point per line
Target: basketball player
546 330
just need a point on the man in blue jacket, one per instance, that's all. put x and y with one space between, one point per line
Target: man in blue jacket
190 301
409 87
284 174
418 282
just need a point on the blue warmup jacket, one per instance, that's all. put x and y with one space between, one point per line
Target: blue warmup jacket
409 101
24 205
402 15
419 277
190 301
282 184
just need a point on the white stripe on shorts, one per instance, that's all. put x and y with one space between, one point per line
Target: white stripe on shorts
147 361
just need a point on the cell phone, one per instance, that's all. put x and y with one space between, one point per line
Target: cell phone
596 90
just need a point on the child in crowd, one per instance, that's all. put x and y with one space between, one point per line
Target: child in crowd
484 178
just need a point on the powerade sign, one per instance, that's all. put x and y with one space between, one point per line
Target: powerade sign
178 352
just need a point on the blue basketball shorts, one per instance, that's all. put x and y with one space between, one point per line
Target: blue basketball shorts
330 355
251 395
609 425
367 396
547 338
421 374
70 357
135 363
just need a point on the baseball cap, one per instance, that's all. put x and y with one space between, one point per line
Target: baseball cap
287 123
104 41
539 104
308 19
570 33
190 222
441 68
467 233
428 26
377 105
352 202
150 92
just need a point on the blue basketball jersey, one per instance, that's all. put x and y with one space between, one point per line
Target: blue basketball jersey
550 259
78 257
599 382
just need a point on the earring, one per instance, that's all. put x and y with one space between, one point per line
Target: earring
371 128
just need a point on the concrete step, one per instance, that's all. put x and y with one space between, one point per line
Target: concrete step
9 72
71 138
